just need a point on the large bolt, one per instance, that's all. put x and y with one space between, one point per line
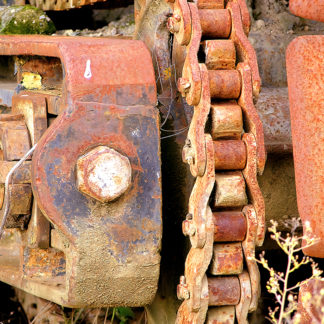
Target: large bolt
103 174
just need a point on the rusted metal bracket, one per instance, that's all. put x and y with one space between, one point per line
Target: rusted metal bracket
95 172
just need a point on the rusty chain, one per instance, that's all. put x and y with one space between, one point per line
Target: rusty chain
225 152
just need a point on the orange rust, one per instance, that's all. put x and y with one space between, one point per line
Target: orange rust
221 315
229 155
230 226
230 190
227 259
50 70
305 71
309 9
15 140
220 54
244 50
43 263
310 310
215 23
210 4
224 290
224 84
226 120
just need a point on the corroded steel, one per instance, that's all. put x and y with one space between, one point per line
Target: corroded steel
215 23
224 290
230 190
305 71
273 109
311 302
229 155
310 9
209 4
221 315
227 259
220 54
230 226
103 173
224 84
227 120
230 73
104 99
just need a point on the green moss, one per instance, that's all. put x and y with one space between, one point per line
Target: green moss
24 20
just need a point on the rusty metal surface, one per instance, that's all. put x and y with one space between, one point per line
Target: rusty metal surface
230 226
224 290
243 307
245 52
229 155
63 4
38 231
215 23
230 190
229 120
15 140
305 66
311 302
106 100
105 80
208 4
255 194
227 259
100 161
221 315
224 84
220 54
253 121
273 109
248 246
310 9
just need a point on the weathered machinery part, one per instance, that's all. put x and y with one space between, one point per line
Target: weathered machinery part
273 109
310 9
151 19
150 26
310 302
94 253
305 83
199 84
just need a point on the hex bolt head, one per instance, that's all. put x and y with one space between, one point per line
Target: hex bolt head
103 174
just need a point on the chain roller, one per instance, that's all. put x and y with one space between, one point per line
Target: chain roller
225 152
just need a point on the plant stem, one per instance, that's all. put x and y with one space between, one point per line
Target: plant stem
113 315
284 291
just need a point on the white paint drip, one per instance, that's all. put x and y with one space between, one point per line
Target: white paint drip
87 72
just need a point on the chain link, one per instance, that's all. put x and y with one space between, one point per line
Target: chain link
226 207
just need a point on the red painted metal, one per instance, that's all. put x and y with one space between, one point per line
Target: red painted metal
310 9
305 69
